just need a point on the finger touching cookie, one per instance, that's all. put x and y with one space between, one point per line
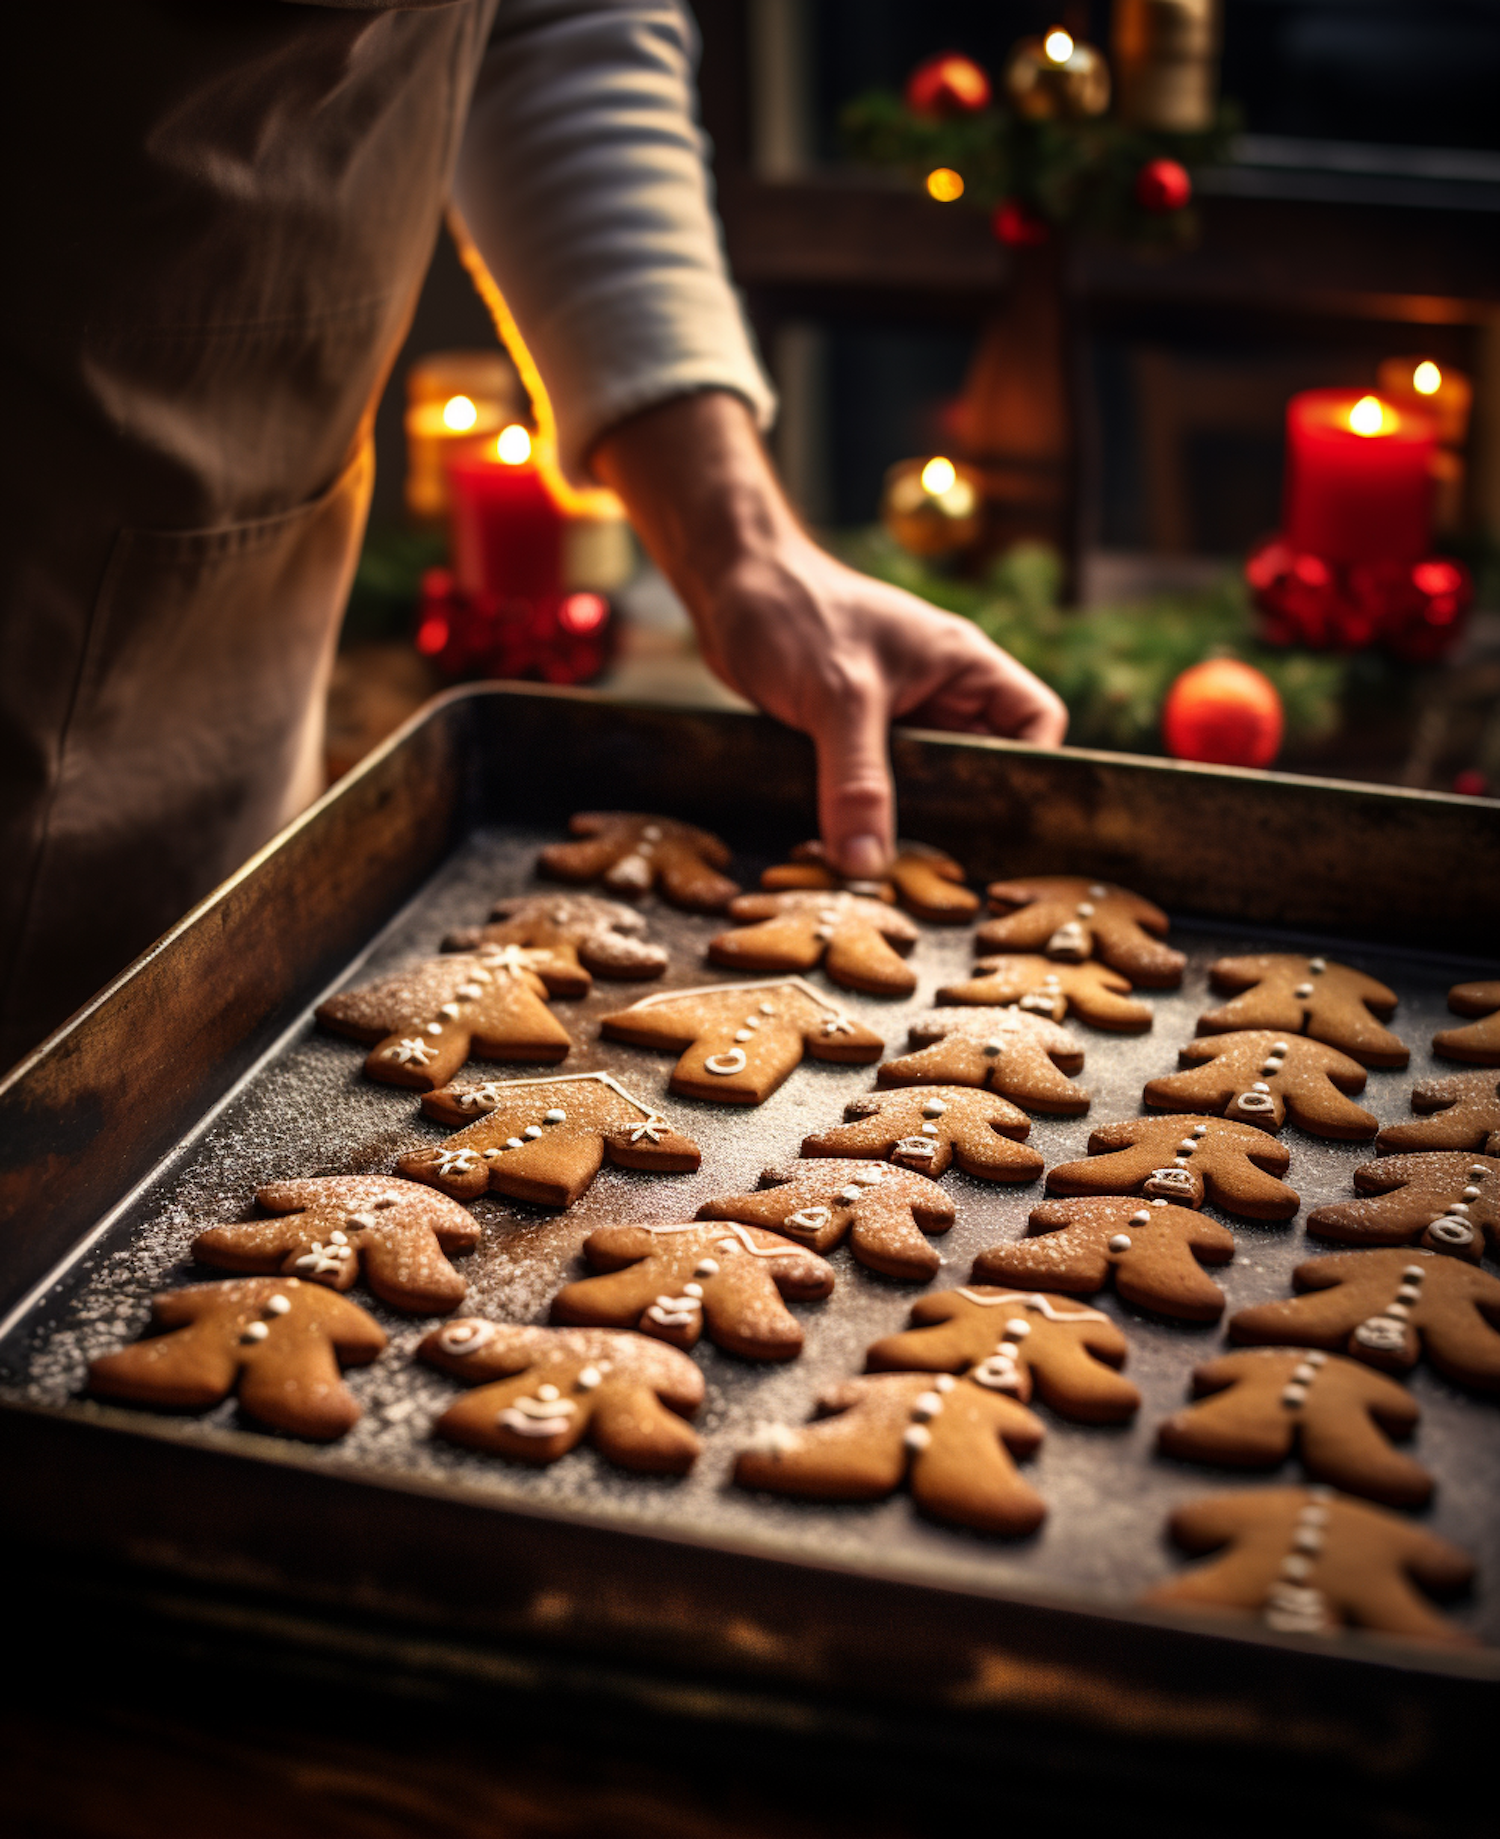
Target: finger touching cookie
1443 1200
1024 1057
925 881
1070 918
1264 1079
573 938
857 941
1054 988
1186 1160
1480 1040
1293 994
632 852
928 1127
1462 1112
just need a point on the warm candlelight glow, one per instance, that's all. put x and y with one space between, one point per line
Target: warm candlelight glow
1368 416
1427 379
938 476
513 445
945 185
1058 45
459 414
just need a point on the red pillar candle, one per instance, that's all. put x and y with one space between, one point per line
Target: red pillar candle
1359 478
504 526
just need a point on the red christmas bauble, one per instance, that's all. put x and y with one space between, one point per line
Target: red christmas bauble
1223 712
948 84
1017 226
1162 186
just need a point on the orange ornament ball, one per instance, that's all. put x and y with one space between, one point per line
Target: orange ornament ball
1223 712
946 85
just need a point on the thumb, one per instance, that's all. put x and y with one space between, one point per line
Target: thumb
856 802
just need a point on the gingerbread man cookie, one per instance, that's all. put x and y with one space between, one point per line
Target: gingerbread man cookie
1465 1111
572 938
541 1391
1186 1160
740 1040
1388 1308
882 1211
1153 1251
1051 987
1262 1078
1307 1562
426 1021
632 852
1255 1407
332 1229
278 1341
855 938
673 1281
1316 997
952 1441
544 1140
1009 1050
1480 1040
927 1127
924 880
1070 918
1446 1200
1014 1340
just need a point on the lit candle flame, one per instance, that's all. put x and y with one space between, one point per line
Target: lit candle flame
1058 45
513 445
1427 379
1367 416
459 414
938 476
945 184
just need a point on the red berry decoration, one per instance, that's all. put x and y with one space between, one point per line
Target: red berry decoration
948 84
1017 226
1162 186
1223 712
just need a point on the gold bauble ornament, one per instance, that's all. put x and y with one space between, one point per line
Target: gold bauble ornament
933 506
1056 77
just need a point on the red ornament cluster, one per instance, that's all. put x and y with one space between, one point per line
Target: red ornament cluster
1415 611
560 638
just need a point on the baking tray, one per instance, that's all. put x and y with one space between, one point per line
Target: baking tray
198 1075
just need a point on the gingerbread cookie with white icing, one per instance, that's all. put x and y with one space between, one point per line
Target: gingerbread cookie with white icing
1186 1160
544 1140
928 1127
1445 1200
1262 1078
1152 1251
1479 1042
539 1392
1316 997
1389 1308
1304 1561
426 1021
882 1211
1255 1407
1464 1113
1024 1057
570 939
858 941
1071 918
1051 987
632 852
739 1041
333 1229
953 1442
673 1282
1017 1341
277 1342
924 880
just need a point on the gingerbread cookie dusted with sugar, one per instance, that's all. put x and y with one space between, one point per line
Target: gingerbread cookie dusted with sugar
539 1392
1445 1200
426 1021
953 1442
1024 1057
544 1140
1255 1407
1480 1041
882 1211
1293 994
1186 1160
1388 1308
924 880
739 1041
1262 1078
570 939
1152 1251
1464 1114
632 852
928 1127
672 1282
1071 918
1017 1341
1306 1562
276 1341
333 1229
1045 986
858 941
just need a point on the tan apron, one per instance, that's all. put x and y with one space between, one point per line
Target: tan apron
220 217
